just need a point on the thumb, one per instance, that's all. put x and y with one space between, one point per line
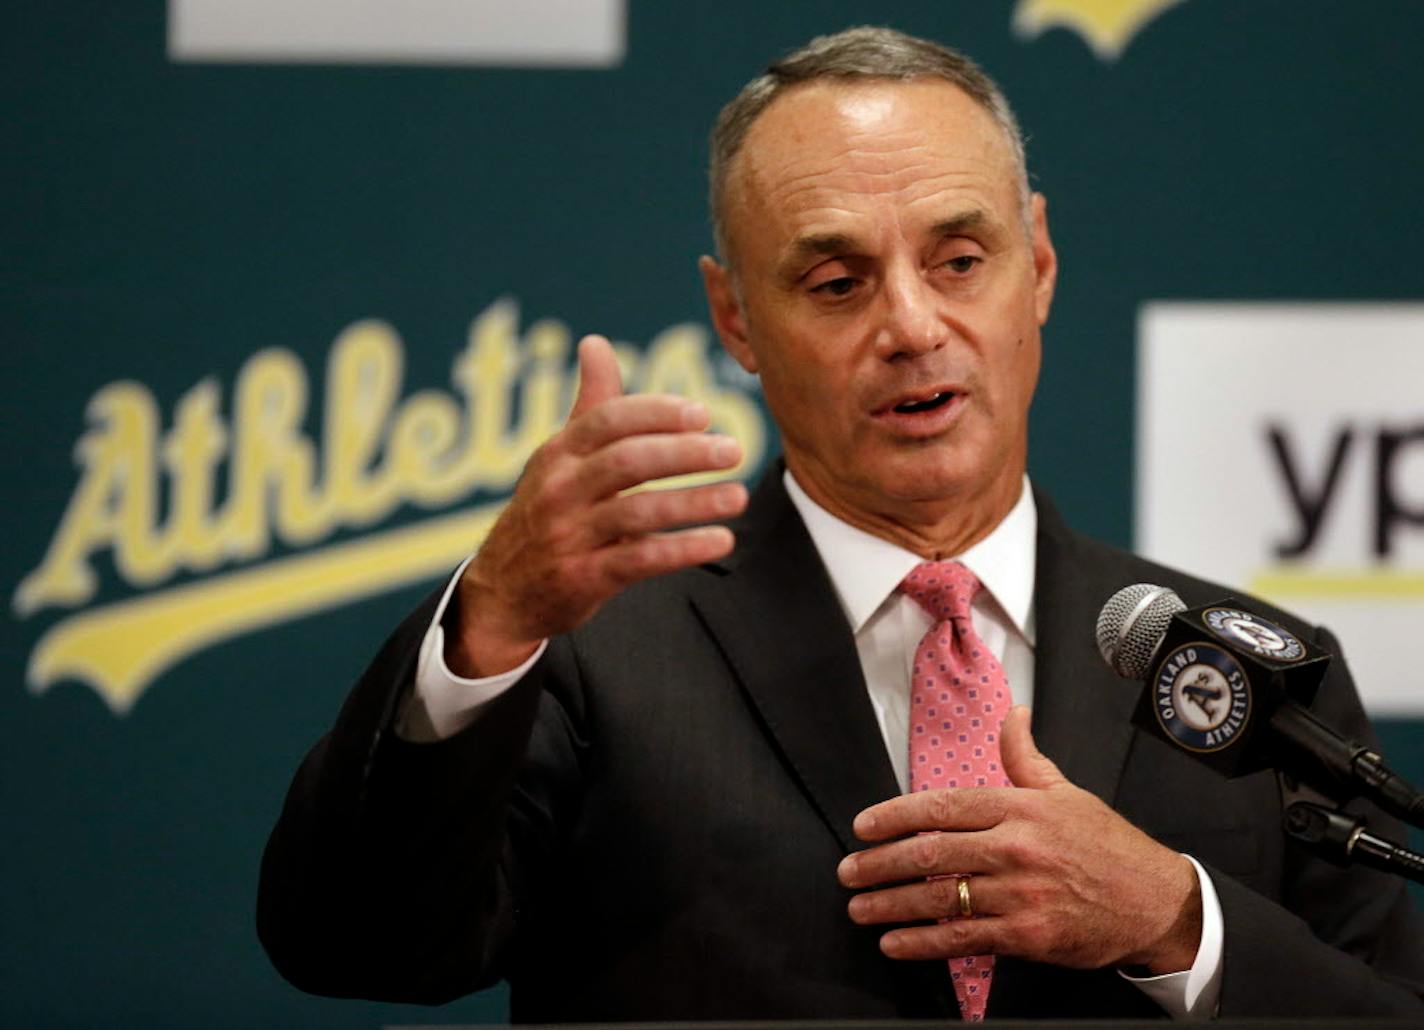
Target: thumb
1025 765
599 378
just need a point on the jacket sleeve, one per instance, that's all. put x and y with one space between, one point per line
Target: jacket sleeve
395 869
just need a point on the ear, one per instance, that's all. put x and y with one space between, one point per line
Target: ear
728 318
1045 259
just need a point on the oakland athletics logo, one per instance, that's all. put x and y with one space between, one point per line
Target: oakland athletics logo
1201 697
1263 639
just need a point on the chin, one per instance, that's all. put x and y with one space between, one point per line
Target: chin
921 482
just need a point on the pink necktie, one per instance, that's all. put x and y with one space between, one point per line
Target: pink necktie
958 699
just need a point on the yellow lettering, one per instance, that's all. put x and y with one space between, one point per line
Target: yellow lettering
112 506
375 453
363 381
421 457
485 373
271 458
190 454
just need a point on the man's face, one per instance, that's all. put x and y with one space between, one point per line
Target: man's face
884 287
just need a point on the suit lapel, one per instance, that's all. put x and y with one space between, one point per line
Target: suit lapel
1082 711
774 614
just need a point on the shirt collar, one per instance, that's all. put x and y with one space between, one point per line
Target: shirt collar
865 569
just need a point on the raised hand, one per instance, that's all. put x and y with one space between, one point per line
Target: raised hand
1055 875
572 535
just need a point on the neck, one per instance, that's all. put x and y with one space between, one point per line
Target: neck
935 529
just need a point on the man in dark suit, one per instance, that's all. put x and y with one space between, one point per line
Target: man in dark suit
635 767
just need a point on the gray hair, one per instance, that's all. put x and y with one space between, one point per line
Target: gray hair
865 52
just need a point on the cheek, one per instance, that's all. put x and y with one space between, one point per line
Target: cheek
1022 375
812 404
800 374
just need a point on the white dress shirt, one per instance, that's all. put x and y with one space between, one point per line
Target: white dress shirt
866 572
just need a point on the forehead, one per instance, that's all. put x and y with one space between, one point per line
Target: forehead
845 152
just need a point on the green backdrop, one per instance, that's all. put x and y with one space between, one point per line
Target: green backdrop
165 221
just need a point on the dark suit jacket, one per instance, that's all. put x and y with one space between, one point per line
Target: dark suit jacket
648 825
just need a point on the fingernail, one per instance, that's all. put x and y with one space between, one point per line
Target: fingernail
864 824
856 908
694 415
845 872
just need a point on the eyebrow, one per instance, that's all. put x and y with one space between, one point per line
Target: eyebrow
831 243
815 245
960 224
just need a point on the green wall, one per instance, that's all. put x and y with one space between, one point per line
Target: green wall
163 222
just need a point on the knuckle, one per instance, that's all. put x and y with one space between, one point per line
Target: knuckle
621 516
924 851
1032 806
659 509
971 937
626 517
622 461
646 557
1018 851
555 489
942 805
618 575
960 937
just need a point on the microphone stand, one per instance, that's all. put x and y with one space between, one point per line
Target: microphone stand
1343 839
1347 763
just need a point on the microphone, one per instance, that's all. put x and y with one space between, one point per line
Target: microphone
1231 688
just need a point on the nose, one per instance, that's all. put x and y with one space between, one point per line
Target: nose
912 324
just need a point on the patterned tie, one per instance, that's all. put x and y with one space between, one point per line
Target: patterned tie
958 699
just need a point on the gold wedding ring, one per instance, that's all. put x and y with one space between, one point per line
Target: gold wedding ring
966 909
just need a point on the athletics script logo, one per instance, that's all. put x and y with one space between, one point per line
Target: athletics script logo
1201 697
157 504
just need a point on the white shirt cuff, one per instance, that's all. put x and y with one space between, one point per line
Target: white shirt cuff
441 704
1193 993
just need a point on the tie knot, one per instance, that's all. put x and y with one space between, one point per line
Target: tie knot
945 589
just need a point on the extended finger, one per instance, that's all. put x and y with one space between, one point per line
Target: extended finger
936 898
641 459
914 858
599 378
954 808
954 939
652 511
596 427
620 564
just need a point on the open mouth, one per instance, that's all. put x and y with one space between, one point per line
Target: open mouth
928 404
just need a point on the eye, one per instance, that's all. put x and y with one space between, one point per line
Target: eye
963 264
838 287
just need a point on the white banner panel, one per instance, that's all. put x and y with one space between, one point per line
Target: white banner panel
1280 448
572 33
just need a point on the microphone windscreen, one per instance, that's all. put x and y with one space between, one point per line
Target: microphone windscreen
1131 627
